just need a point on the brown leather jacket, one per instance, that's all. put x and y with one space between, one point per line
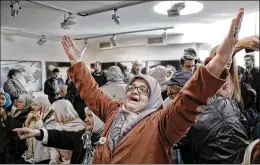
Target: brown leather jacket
151 140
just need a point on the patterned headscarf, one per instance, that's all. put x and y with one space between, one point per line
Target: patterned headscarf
27 100
114 74
87 138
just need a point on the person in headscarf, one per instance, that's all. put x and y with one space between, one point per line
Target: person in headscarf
136 70
139 130
11 148
160 74
41 116
82 143
115 87
6 102
23 107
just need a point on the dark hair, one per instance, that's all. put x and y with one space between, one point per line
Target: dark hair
251 56
190 51
55 70
185 57
13 72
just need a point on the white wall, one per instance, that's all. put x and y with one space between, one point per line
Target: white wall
21 48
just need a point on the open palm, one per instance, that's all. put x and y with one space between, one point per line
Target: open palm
228 45
71 49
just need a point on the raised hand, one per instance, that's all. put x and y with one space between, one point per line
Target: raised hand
228 45
39 115
25 132
71 49
250 42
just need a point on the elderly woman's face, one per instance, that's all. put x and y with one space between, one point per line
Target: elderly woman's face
137 96
20 104
2 100
89 120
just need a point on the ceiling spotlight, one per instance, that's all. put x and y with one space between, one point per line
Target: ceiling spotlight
15 8
113 40
42 40
176 9
68 22
116 17
164 35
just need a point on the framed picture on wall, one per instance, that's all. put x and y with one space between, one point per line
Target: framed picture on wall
31 73
174 63
62 66
105 66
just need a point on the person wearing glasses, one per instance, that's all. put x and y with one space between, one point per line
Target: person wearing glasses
139 130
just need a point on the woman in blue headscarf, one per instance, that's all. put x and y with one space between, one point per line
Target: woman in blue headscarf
5 101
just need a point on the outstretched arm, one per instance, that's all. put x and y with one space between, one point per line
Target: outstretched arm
89 91
179 116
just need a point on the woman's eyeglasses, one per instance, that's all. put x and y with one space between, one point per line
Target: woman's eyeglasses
141 89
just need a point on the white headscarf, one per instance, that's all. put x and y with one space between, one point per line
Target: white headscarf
67 116
98 124
114 74
159 73
45 104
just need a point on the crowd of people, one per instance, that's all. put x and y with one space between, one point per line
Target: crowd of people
206 112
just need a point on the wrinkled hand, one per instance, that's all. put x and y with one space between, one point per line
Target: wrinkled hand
25 132
71 49
251 42
228 45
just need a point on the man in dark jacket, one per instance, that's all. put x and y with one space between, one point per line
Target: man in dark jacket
53 85
99 76
252 77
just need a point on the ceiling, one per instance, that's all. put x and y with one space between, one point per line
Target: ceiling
36 19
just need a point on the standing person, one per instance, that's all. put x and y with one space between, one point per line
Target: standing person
115 87
252 77
53 85
13 86
127 135
135 70
99 76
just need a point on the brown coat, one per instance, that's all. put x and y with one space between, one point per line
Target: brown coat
151 140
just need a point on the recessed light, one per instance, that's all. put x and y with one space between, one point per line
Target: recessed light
190 8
